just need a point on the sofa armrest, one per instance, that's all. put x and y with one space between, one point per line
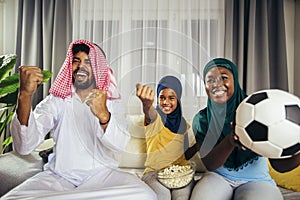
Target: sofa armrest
15 168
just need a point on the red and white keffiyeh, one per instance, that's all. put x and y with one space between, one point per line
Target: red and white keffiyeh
103 74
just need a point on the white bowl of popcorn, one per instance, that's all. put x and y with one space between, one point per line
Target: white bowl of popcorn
176 176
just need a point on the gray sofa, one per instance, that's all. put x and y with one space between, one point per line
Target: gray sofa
14 169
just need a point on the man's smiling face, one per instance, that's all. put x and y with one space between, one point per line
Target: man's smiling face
82 71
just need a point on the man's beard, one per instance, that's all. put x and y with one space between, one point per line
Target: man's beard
81 85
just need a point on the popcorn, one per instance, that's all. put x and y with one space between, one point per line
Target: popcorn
176 176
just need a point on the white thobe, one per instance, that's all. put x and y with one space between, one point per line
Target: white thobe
83 155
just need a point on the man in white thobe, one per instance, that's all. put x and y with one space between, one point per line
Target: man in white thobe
86 117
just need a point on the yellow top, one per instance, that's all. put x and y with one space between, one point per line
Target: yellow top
164 147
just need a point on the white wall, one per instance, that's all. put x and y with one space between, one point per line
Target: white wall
8 24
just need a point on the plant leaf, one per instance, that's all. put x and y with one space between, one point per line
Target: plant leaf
6 143
47 75
7 120
8 63
9 85
1 60
10 99
3 112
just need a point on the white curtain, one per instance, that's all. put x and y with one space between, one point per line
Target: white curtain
145 40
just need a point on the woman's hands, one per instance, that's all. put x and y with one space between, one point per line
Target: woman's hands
285 164
234 138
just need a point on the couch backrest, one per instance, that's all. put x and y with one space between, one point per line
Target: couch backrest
135 154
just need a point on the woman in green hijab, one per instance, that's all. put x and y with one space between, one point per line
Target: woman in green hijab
233 171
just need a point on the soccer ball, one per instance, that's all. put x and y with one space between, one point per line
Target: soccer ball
268 123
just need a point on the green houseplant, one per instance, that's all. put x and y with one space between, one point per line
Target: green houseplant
9 85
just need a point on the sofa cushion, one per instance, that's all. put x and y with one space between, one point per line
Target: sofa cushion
289 180
15 168
135 153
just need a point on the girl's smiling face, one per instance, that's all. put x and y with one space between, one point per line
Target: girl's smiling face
167 100
219 84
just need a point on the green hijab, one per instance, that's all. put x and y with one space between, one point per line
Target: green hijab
212 124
